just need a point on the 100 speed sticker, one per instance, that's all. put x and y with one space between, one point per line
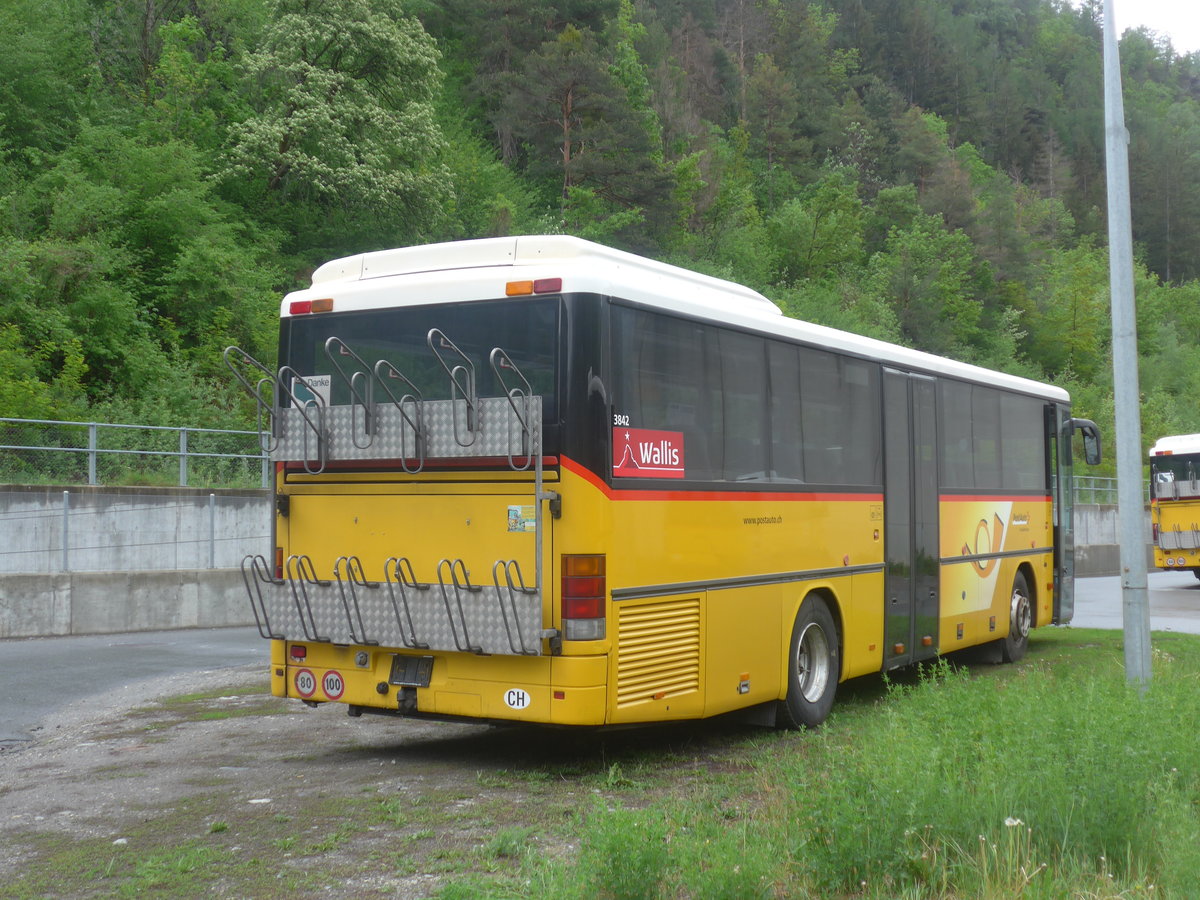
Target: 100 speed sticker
332 684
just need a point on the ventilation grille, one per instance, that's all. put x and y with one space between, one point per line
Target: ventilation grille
658 651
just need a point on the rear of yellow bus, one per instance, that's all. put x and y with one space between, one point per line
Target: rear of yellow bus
456 568
1175 503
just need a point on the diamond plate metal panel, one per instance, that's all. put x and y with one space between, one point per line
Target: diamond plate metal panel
495 432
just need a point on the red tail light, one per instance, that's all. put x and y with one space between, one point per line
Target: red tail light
279 563
583 597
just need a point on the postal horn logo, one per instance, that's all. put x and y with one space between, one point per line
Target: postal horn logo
987 540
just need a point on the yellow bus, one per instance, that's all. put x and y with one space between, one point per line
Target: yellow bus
1175 502
535 479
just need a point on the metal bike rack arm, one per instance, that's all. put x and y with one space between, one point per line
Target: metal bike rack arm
300 574
288 379
462 383
405 580
254 578
385 371
465 644
347 588
361 395
238 359
515 583
519 399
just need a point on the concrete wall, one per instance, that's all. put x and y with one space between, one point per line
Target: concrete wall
110 602
1097 551
129 528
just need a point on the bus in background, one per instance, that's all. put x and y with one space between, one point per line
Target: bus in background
534 479
1175 502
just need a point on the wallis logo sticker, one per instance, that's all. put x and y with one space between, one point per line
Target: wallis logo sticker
641 453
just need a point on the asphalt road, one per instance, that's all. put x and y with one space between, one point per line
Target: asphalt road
40 677
1174 602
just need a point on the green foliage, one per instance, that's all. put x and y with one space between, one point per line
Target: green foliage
981 777
343 117
924 172
1054 778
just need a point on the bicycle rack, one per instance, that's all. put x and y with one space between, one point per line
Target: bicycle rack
299 425
347 588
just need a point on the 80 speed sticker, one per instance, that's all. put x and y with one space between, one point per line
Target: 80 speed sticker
332 683
306 683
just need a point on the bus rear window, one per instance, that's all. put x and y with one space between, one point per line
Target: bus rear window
527 331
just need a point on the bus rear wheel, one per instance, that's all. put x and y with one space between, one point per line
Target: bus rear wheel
1020 620
813 666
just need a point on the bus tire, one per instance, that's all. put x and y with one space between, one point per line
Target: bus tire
813 666
1020 620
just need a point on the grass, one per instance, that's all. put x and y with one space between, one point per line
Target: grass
1050 779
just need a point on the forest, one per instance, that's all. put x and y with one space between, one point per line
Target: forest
930 172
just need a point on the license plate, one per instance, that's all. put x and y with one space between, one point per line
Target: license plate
411 671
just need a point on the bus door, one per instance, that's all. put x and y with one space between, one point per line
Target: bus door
910 518
1060 428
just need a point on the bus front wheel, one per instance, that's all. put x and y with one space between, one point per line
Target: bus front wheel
813 667
1020 619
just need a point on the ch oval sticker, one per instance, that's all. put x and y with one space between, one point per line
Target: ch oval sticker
515 698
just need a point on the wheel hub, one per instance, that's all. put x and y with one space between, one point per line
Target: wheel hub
812 662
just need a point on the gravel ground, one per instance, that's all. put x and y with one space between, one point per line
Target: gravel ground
205 783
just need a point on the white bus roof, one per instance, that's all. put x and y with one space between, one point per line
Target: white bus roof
464 271
1179 443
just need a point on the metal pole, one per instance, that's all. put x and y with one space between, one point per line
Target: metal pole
183 467
66 531
212 531
1130 511
92 443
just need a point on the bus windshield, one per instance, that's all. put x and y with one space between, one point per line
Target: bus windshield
526 330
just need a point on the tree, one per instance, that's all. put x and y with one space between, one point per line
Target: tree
820 232
925 274
342 92
579 129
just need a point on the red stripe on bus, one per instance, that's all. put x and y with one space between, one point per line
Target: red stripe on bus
725 496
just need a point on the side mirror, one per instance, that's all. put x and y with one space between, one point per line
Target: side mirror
1091 440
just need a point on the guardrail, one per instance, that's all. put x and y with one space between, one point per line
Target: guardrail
1093 489
40 451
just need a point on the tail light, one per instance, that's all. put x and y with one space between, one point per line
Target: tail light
279 563
583 597
1154 532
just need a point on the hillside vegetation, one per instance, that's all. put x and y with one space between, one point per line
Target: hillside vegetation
925 171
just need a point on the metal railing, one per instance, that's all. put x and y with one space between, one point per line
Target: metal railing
1097 490
39 451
